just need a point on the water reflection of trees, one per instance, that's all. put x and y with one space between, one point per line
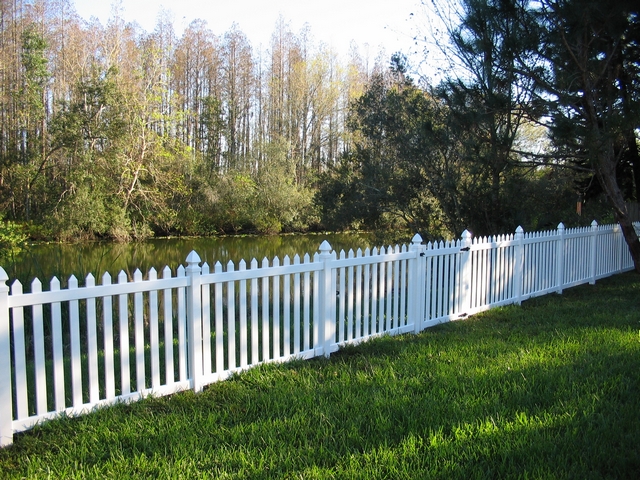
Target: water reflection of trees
63 260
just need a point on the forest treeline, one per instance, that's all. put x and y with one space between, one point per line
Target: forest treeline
114 132
111 131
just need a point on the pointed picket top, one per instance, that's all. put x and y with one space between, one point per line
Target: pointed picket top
306 258
54 284
265 262
217 268
231 266
137 275
122 277
351 254
73 282
242 265
106 278
36 285
153 274
343 255
286 261
205 268
166 272
296 259
276 262
253 264
416 239
16 287
359 252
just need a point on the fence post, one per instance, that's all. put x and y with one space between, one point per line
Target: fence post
6 408
194 319
415 294
560 258
618 242
592 252
518 273
327 299
464 302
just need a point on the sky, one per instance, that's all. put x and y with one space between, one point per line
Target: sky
387 24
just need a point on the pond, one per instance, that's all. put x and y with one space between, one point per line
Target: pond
62 260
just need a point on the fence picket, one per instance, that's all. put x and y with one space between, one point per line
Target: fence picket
123 332
286 311
76 367
265 313
219 322
92 343
154 337
231 320
242 311
255 340
296 307
358 299
182 327
138 318
58 358
206 323
275 304
168 330
307 306
342 300
367 292
350 298
107 338
38 352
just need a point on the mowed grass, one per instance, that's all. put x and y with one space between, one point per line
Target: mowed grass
550 389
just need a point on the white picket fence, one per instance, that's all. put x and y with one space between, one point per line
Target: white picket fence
70 350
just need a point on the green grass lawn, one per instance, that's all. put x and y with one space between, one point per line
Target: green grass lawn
547 390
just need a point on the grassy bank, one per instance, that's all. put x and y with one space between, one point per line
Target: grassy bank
547 390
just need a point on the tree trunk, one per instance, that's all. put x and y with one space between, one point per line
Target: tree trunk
606 172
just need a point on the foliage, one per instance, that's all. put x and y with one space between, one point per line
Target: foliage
12 238
421 162
112 132
267 201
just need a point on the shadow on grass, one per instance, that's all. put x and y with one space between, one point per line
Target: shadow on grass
550 389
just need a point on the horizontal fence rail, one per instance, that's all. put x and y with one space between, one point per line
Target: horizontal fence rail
74 349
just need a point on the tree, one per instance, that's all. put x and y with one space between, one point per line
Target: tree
488 99
590 79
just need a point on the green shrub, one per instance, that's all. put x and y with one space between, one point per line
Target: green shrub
12 237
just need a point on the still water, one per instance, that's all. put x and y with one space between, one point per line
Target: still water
62 260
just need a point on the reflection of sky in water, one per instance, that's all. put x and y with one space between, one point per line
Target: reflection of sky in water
46 261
